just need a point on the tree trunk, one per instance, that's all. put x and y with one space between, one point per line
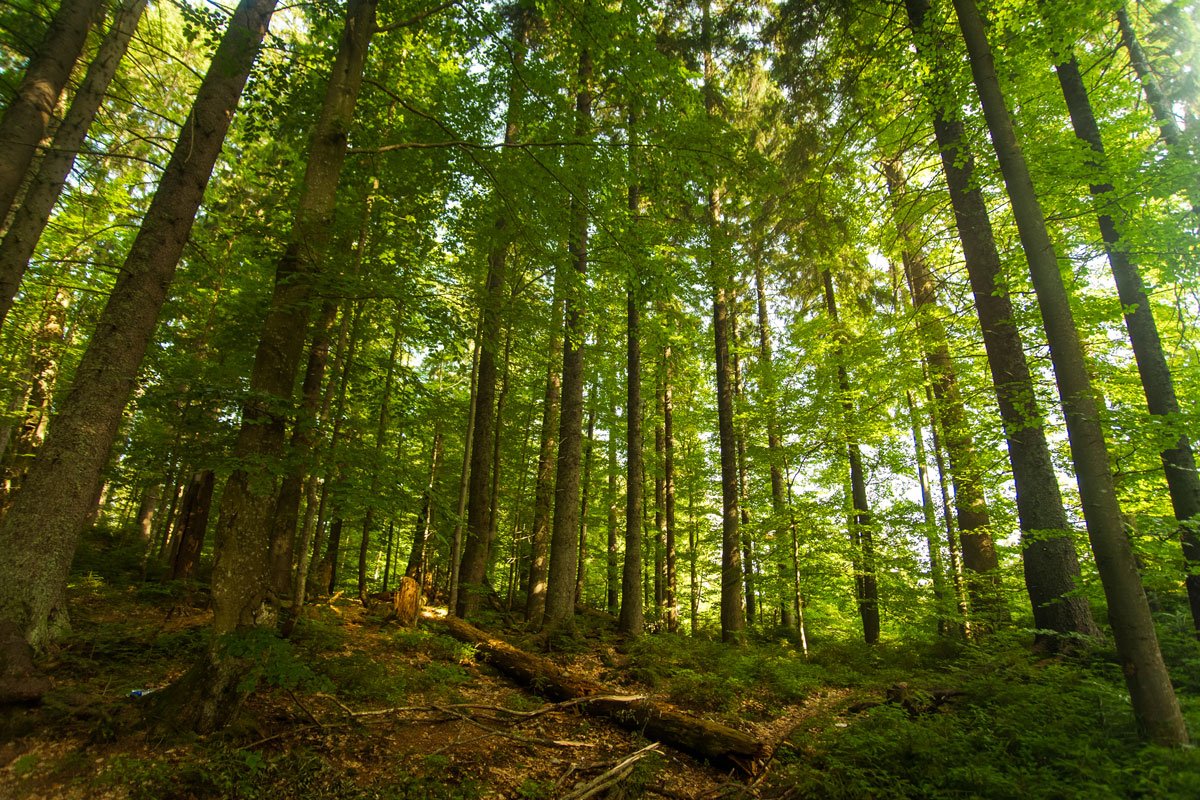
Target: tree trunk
1050 563
242 556
381 431
1154 701
630 622
34 212
748 555
473 569
535 600
192 524
416 557
781 552
564 544
613 572
456 541
37 536
980 561
707 740
937 574
589 447
25 120
660 511
866 588
669 489
1179 464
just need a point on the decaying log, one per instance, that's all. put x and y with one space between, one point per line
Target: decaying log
712 741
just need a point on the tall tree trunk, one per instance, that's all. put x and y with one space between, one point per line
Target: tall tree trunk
1050 563
564 544
937 574
39 536
473 569
25 120
669 489
381 432
1178 461
242 556
866 587
780 550
34 212
748 555
612 571
589 447
660 511
497 451
456 540
1154 701
535 600
416 557
630 621
980 561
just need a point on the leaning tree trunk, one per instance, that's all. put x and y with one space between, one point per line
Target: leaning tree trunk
979 558
34 212
1154 702
1050 564
1178 461
25 120
40 531
564 544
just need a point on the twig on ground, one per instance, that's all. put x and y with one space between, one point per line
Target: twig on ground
612 777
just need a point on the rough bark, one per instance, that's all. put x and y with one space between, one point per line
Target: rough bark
242 555
564 542
192 524
471 572
710 741
543 496
980 561
1154 702
1051 567
27 116
631 622
40 536
1179 463
34 212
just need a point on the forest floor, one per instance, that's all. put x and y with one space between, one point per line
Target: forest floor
359 707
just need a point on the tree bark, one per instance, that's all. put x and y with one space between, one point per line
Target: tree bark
980 561
866 589
588 449
613 571
707 740
34 212
564 543
242 556
39 536
192 524
473 569
27 116
381 431
1179 463
456 542
416 557
630 622
669 490
1154 702
1050 564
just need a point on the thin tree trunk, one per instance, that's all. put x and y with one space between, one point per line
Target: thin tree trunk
192 524
37 536
613 572
1154 702
381 431
27 116
416 557
630 622
34 212
1179 463
866 588
748 555
589 447
456 542
660 511
980 561
1050 563
781 554
937 574
669 489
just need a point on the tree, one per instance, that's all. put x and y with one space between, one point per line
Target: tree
38 537
1154 701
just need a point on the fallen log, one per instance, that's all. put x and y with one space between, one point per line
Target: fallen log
719 744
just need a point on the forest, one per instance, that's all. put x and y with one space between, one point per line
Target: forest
599 398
